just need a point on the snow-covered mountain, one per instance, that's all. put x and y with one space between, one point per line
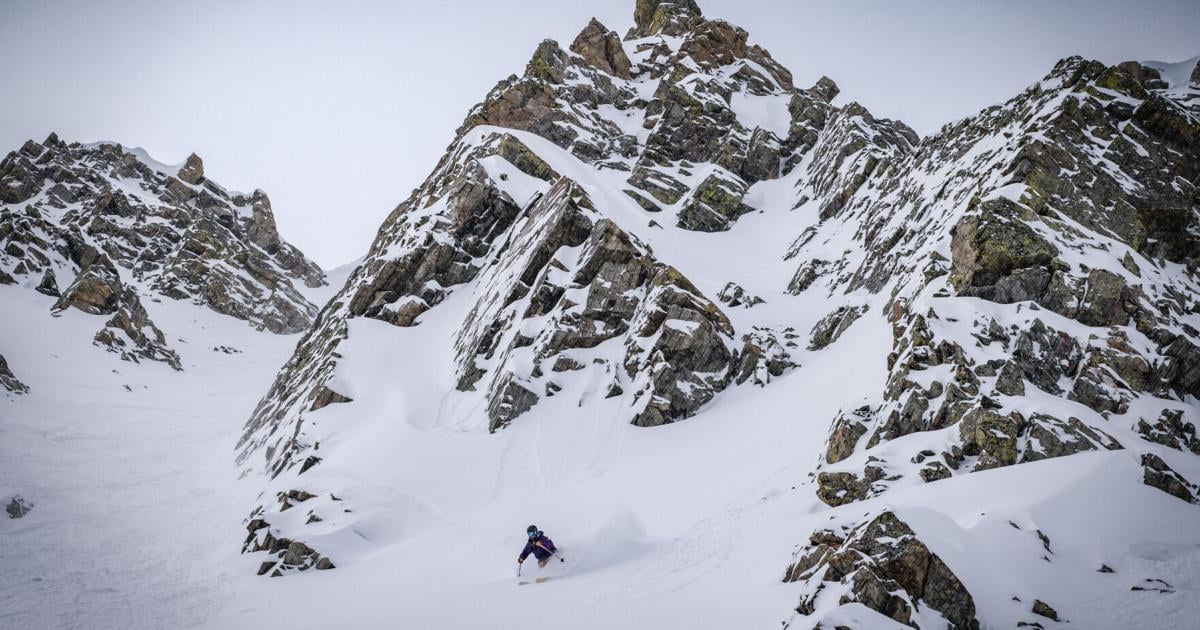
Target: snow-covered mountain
113 227
635 228
752 355
144 307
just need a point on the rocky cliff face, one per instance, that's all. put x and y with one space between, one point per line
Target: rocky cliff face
1041 263
10 382
1045 267
103 228
1036 263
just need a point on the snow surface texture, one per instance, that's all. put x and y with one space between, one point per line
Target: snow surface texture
748 357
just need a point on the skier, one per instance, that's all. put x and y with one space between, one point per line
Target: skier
539 545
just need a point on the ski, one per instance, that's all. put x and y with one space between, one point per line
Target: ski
533 581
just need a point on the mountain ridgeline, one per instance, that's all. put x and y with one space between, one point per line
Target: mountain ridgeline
1036 265
101 229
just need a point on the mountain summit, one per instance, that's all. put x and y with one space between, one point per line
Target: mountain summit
636 228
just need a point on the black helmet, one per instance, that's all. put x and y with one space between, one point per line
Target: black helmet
532 530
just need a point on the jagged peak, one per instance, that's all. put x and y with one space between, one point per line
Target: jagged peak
825 89
595 25
117 191
1132 78
601 48
548 62
192 170
651 17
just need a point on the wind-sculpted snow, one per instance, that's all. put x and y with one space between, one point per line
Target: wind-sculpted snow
103 228
632 230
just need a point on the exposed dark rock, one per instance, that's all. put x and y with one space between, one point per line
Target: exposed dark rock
690 361
990 435
131 334
97 290
806 275
827 331
1111 375
1181 369
18 507
763 357
888 569
324 396
559 284
9 381
733 295
993 244
1009 381
509 400
48 285
848 429
1045 356
602 49
651 17
1171 430
839 488
1042 608
192 171
1157 474
935 471
715 205
1051 437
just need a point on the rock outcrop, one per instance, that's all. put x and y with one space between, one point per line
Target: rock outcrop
1009 229
125 227
1157 474
10 381
18 507
884 566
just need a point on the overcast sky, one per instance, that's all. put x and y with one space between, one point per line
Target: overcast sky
339 109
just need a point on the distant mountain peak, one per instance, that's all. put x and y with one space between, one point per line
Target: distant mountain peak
113 228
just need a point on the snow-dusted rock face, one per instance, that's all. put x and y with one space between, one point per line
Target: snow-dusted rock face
103 228
1042 261
11 384
636 226
883 565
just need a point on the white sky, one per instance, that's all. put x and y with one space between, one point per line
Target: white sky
339 109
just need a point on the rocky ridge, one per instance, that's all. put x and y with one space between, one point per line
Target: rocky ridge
1048 270
1036 264
102 228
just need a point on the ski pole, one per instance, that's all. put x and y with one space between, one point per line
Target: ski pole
552 552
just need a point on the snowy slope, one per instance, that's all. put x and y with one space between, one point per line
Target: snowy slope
123 463
750 358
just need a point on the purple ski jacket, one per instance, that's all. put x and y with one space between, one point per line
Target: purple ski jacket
537 547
